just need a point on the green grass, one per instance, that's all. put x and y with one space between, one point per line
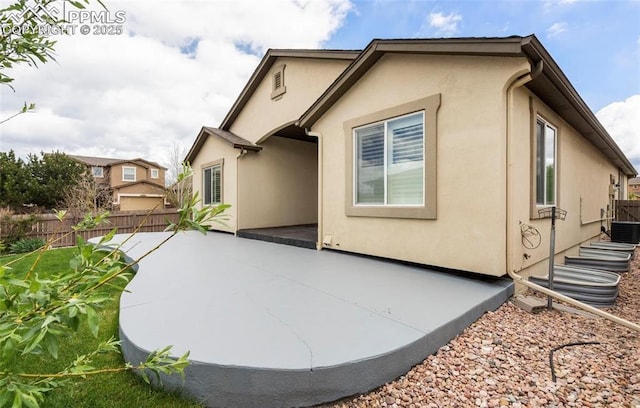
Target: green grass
113 390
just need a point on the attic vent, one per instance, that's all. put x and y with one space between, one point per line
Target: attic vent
278 79
278 88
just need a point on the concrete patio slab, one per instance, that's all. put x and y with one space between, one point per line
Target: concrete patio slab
271 325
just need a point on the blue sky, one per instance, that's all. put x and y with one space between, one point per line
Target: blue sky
596 43
180 64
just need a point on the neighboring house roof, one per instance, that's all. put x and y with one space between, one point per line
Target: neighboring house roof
134 183
634 181
94 161
265 65
550 84
236 141
106 162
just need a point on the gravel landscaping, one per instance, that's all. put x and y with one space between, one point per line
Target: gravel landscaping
502 360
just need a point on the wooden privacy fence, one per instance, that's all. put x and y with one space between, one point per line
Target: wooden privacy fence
628 210
48 227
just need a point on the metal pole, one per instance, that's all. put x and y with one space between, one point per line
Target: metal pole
552 250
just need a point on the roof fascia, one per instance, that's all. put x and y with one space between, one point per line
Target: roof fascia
205 132
377 48
535 51
196 146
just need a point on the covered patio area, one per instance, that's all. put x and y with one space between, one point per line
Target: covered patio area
304 236
272 325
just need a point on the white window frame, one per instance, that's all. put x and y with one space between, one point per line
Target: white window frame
211 167
155 173
385 165
541 156
96 173
124 178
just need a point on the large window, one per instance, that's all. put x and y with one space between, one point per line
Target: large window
128 174
212 184
390 162
546 171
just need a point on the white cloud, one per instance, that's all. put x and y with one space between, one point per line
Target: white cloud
136 94
557 29
445 24
622 121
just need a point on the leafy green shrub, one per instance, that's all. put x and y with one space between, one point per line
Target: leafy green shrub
26 245
14 227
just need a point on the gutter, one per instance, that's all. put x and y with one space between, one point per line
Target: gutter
518 82
318 135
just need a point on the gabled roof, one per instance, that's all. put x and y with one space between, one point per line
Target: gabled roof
263 69
107 162
552 86
94 161
236 141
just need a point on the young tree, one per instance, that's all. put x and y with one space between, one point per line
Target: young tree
179 190
36 314
87 196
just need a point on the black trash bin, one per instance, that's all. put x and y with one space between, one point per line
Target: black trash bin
625 231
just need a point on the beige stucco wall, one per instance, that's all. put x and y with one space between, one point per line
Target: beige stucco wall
583 187
469 232
305 80
279 185
142 173
128 203
213 150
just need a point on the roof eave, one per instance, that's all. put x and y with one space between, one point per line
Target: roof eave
569 97
236 141
373 52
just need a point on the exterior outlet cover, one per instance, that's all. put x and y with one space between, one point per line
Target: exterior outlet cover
326 240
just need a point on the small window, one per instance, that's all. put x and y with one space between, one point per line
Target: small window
155 174
212 185
97 171
546 174
128 174
278 88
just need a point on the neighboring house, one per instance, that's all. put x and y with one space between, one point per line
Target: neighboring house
372 146
137 184
634 188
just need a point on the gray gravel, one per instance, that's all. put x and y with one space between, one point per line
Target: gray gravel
502 360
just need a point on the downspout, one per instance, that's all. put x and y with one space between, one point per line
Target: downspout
518 82
509 255
318 136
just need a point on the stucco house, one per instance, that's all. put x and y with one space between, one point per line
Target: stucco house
372 147
137 184
634 188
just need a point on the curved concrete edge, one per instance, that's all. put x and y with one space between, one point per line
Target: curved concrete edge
216 385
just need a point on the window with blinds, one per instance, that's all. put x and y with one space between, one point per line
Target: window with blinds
212 185
390 162
545 163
